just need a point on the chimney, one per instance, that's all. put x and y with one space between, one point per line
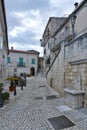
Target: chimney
11 48
76 5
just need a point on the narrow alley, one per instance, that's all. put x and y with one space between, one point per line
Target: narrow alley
34 108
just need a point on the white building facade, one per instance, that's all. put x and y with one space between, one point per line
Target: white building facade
22 62
3 43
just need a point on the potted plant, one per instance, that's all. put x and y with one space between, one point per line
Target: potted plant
5 97
12 83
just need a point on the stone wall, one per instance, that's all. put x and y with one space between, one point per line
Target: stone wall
71 71
76 64
55 76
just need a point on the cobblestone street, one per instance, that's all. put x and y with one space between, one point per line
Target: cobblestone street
32 109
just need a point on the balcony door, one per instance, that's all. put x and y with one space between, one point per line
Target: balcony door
21 61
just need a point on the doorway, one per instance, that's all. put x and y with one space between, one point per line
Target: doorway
32 71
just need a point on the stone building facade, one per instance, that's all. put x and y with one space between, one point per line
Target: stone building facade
3 42
20 61
68 51
46 41
76 51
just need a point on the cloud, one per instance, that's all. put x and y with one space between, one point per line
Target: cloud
19 15
62 7
38 48
33 22
30 22
17 30
22 5
27 19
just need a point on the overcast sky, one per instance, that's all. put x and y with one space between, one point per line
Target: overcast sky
27 19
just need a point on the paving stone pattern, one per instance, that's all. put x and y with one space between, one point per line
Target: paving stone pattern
27 113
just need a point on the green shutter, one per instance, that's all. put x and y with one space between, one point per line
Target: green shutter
21 61
8 59
33 61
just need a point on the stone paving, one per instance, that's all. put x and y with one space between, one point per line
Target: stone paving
30 110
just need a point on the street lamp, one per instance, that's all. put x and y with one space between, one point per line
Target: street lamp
73 18
41 41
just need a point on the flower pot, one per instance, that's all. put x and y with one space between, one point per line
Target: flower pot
11 88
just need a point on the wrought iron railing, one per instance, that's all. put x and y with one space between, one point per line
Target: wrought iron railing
20 64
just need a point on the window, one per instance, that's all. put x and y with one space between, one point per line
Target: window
44 51
15 69
8 60
33 61
20 61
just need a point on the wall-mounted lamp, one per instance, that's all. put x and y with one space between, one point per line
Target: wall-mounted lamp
73 18
41 41
76 4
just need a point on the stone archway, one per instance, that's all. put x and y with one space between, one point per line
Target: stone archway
32 71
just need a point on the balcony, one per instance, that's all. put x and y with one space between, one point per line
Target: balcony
20 64
66 35
55 45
